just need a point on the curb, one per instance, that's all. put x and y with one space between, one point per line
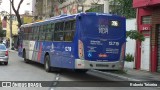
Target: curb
12 51
113 75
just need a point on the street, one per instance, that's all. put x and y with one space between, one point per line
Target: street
18 70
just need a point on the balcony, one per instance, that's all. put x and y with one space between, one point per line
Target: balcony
145 3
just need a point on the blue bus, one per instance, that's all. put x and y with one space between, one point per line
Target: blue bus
81 42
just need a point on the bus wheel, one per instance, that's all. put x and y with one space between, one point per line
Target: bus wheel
24 56
5 63
47 63
81 70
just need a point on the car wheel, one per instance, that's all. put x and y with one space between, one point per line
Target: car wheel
5 63
24 56
47 63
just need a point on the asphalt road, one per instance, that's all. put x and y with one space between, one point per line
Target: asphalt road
18 70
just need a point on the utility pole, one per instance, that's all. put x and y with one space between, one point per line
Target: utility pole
0 2
10 26
106 6
80 5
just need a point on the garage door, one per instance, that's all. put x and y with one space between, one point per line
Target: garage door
158 63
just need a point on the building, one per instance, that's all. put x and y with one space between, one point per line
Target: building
48 8
42 9
14 27
148 21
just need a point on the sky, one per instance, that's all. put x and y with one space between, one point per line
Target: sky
5 6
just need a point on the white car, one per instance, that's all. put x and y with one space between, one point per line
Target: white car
4 54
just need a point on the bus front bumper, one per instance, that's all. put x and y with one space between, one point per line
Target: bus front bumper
86 64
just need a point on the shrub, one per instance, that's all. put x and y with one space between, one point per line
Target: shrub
129 57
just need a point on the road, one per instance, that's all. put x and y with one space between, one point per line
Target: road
18 70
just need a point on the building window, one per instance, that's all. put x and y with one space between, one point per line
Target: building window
146 20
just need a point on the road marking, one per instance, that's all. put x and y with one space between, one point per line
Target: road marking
52 89
55 82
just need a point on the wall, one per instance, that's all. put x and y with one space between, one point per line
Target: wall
143 3
130 44
14 28
33 7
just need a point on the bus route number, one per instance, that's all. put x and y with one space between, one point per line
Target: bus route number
68 48
114 43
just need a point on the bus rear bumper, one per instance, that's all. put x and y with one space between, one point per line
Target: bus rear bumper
85 64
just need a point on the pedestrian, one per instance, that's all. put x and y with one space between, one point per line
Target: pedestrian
7 43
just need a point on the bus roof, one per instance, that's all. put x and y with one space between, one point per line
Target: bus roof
65 17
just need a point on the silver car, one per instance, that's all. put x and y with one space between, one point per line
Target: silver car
4 54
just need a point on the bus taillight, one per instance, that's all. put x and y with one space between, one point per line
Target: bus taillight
80 49
122 52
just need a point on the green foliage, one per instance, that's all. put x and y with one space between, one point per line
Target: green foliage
129 58
1 31
123 8
96 8
91 10
134 34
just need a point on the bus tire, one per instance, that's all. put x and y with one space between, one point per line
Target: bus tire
5 63
81 70
47 63
24 56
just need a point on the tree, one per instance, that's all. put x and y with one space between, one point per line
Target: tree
4 13
134 34
123 8
1 32
16 11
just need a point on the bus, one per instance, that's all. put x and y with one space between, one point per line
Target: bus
80 42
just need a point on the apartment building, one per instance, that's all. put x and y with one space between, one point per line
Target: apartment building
48 8
148 52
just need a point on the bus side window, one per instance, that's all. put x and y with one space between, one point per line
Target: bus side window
59 33
26 33
73 25
69 30
49 33
36 32
30 33
41 33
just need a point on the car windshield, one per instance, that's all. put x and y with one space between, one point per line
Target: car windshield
2 47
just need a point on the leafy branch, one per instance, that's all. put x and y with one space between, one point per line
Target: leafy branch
134 34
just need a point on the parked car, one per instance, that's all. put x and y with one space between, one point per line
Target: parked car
4 54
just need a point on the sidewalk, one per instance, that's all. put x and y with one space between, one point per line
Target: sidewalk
142 75
131 75
12 50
